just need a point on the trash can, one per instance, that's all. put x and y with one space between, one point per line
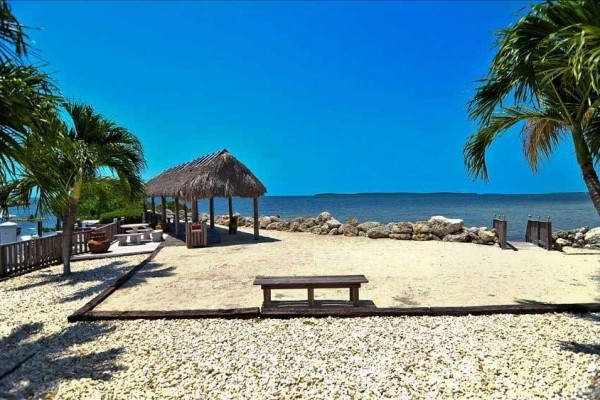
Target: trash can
194 236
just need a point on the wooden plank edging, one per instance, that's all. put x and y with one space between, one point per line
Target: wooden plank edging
352 312
90 305
230 313
339 312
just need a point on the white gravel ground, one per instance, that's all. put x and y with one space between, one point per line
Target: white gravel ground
498 357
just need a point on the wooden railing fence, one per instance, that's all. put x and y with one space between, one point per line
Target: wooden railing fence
539 232
29 255
501 225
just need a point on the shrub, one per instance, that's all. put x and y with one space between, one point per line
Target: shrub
132 216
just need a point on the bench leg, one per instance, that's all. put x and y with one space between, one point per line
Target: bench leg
351 294
311 297
355 297
266 297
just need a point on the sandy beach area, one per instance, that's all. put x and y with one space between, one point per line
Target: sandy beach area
400 273
546 356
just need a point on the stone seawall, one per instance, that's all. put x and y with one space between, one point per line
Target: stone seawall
436 228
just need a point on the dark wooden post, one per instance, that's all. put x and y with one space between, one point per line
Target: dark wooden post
255 201
163 212
176 217
185 211
195 211
144 211
39 226
153 211
211 206
57 223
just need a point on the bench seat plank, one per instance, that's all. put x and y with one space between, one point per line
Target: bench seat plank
284 282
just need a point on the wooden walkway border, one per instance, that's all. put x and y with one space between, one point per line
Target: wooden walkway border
86 312
501 225
339 312
539 232
89 306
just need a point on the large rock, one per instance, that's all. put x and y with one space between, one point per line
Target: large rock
350 230
295 227
402 228
324 217
442 226
283 225
421 237
401 236
593 235
421 227
273 226
264 222
317 230
379 232
486 236
462 237
333 231
333 223
365 226
352 222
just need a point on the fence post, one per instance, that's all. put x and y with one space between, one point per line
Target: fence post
2 262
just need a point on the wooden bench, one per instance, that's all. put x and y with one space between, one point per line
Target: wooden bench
133 238
352 282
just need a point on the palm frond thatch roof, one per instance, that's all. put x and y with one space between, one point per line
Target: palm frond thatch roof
214 175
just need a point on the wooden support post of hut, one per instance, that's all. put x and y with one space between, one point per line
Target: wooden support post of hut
176 218
163 212
194 211
211 206
185 211
255 201
153 211
40 228
232 219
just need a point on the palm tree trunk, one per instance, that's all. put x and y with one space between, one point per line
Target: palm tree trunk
67 240
69 224
590 177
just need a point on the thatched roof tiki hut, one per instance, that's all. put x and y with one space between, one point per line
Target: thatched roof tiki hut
214 175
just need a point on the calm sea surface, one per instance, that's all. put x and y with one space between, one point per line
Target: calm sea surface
566 210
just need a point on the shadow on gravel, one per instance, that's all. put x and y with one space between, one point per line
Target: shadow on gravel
585 348
150 270
88 275
32 364
110 273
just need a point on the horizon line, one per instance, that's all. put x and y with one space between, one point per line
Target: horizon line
440 192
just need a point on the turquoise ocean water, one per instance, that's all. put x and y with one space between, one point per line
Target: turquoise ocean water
566 210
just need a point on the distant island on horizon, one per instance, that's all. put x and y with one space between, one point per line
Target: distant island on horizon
445 193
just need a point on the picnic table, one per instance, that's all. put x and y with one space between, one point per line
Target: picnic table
134 227
352 282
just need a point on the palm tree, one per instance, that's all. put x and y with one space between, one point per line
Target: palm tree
13 38
546 67
74 155
25 91
25 96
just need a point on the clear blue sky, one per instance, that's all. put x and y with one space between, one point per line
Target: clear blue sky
312 96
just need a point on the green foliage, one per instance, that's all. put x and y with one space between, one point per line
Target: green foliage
170 206
131 215
104 195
